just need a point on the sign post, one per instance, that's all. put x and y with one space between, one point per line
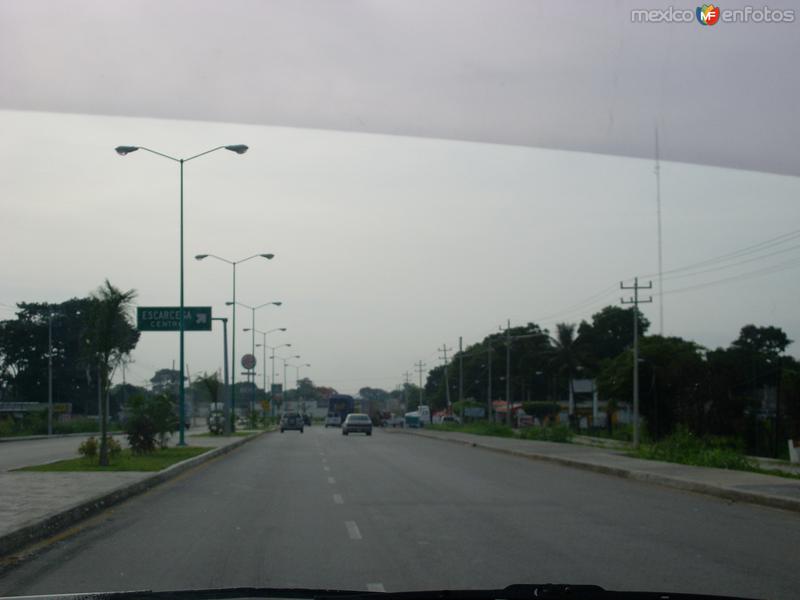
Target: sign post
249 363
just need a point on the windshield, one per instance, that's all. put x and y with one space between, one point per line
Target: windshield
542 256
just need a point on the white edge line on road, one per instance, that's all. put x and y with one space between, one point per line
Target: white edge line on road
352 530
337 498
375 587
331 480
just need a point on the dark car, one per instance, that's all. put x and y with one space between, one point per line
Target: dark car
292 421
357 423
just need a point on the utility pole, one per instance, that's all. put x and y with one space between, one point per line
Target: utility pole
489 385
508 373
444 349
50 374
461 376
660 262
407 377
420 368
635 301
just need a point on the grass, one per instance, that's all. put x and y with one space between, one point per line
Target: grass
555 433
551 433
478 428
683 447
156 461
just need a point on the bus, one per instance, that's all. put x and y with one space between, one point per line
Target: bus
339 406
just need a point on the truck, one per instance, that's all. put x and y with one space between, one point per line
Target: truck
418 418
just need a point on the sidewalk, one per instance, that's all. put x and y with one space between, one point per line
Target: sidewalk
766 490
35 505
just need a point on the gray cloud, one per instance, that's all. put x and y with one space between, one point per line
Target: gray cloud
575 76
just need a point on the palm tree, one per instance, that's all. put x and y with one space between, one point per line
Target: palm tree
567 356
110 339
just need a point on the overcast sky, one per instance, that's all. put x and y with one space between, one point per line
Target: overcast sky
388 246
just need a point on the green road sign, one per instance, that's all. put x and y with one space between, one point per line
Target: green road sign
167 318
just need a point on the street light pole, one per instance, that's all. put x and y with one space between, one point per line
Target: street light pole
252 328
232 304
124 150
264 347
50 374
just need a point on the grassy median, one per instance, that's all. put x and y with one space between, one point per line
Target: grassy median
126 461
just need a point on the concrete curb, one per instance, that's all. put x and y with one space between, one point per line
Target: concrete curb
725 493
49 526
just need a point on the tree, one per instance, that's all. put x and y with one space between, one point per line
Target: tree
609 334
672 374
374 394
165 381
110 337
567 357
24 349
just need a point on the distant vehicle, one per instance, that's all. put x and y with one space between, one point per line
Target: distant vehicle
357 423
412 420
394 421
339 406
292 421
450 420
424 413
307 419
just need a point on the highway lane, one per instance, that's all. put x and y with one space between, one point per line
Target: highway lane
395 512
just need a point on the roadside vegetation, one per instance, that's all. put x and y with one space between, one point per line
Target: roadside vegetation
125 460
548 433
36 424
684 447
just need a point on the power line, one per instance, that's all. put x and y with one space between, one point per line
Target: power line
749 275
754 248
736 264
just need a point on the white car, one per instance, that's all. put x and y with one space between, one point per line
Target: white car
333 420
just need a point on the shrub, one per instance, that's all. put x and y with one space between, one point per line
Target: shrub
150 420
88 448
541 410
686 448
114 448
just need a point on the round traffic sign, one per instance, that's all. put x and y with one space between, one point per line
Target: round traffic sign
249 361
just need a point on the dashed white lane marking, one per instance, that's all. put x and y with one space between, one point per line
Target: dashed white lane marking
375 587
331 480
326 468
324 460
337 498
352 530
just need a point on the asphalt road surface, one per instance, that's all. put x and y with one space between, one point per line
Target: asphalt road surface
396 512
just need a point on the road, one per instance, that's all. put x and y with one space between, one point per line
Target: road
22 453
395 511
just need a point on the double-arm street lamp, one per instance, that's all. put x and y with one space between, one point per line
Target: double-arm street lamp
285 360
252 329
273 348
233 264
263 346
297 372
296 379
124 150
